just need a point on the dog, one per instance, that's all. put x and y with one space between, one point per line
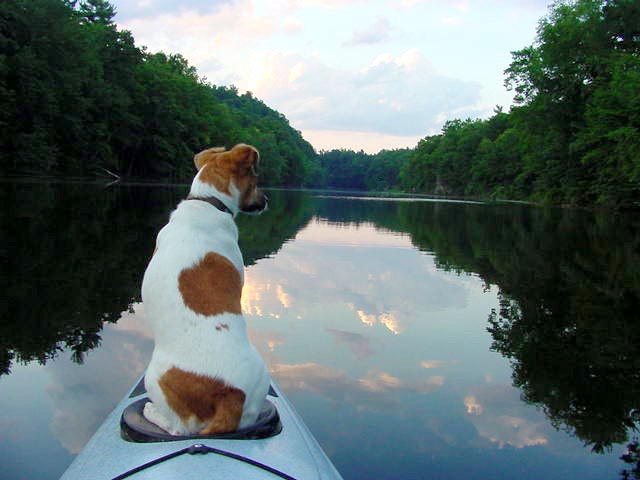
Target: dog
204 376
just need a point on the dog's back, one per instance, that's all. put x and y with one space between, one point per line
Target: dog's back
204 375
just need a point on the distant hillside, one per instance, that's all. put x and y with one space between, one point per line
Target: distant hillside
79 98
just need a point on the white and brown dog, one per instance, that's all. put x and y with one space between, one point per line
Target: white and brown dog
204 376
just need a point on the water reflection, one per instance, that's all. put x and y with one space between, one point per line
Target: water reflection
82 395
372 315
73 257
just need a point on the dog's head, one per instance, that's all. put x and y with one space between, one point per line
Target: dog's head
233 173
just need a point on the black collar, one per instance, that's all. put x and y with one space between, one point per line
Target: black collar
216 202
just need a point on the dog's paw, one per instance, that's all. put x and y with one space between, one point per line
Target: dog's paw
151 413
154 416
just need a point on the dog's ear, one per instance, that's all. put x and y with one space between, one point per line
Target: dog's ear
205 156
246 158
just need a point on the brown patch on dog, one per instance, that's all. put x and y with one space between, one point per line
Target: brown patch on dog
209 399
212 286
222 326
218 167
206 156
219 178
249 188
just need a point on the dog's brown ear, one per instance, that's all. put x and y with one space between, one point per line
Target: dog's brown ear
245 157
205 156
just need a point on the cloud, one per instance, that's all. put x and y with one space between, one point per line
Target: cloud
322 3
389 319
356 342
83 395
384 382
202 34
128 9
434 364
374 390
500 416
452 21
375 33
370 142
408 3
389 301
397 95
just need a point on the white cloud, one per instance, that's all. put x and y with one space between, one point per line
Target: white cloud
500 416
452 21
359 344
396 95
370 391
375 33
83 395
322 3
204 37
370 142
280 50
127 9
292 25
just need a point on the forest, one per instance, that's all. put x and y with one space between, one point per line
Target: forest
573 136
79 98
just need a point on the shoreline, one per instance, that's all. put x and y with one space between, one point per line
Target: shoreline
329 192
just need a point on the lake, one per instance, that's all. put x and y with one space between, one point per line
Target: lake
416 338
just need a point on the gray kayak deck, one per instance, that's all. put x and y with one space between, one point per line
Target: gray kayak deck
294 452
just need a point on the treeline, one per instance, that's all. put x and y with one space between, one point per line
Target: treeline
77 97
346 169
574 136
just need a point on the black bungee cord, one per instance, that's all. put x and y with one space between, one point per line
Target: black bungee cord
198 448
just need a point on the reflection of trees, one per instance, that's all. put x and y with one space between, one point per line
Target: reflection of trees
570 298
569 281
569 312
73 256
631 458
263 236
570 327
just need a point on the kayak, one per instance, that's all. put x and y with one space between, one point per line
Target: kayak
278 445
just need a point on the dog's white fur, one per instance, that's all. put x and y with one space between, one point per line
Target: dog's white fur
188 340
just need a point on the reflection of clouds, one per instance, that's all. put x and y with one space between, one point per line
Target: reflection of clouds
133 322
428 364
383 382
374 389
251 296
368 320
357 343
83 395
388 319
500 416
384 281
260 298
322 232
312 377
266 342
473 407
283 297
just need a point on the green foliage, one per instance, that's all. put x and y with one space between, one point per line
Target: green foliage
470 157
574 137
346 169
78 98
75 254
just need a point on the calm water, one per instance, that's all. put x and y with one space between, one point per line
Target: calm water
417 339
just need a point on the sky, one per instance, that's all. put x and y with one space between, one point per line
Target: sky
353 74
